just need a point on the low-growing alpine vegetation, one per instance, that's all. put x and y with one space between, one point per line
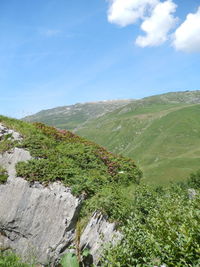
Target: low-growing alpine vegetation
162 230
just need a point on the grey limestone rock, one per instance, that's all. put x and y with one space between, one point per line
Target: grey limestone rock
97 234
37 222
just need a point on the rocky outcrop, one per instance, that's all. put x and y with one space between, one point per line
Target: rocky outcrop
39 221
36 221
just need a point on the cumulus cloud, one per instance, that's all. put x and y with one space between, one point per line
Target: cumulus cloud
158 25
187 36
125 12
156 16
157 21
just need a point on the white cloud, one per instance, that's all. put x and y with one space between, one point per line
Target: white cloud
157 17
125 12
187 36
157 21
158 25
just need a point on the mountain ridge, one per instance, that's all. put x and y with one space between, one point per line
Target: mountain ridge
142 130
78 113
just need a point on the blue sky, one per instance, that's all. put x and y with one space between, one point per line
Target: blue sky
60 52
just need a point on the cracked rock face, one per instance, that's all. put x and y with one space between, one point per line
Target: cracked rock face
37 222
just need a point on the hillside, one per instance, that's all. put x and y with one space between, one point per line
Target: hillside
64 198
75 116
60 155
57 188
160 132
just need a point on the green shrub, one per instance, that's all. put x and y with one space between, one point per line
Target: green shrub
163 228
112 201
63 156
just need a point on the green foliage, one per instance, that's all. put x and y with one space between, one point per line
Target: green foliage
3 175
163 228
112 201
8 259
69 260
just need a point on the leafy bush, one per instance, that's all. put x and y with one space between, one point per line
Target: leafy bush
112 201
163 228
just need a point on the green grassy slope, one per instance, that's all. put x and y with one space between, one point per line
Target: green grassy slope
165 141
159 132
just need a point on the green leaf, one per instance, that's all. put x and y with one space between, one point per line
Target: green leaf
69 260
